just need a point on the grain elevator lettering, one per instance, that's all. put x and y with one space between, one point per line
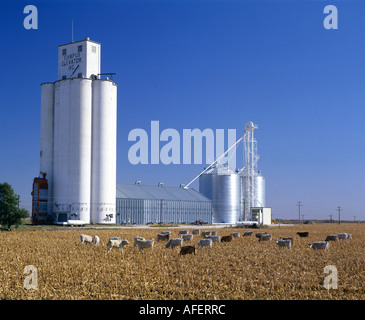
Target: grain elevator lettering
71 60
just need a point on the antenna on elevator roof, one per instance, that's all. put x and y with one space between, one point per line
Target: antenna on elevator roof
72 30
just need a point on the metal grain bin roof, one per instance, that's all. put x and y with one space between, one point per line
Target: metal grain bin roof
135 191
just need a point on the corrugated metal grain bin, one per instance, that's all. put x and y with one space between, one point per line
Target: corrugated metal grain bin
222 186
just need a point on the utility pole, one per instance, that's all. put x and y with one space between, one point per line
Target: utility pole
339 214
299 205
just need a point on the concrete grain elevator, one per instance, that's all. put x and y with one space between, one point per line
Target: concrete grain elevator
78 137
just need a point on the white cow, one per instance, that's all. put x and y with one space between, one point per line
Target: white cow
216 238
284 243
206 242
187 237
115 243
136 239
86 239
265 237
96 240
143 244
320 245
175 242
288 238
344 236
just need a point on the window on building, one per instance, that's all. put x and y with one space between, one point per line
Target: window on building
79 48
64 52
93 49
79 75
63 77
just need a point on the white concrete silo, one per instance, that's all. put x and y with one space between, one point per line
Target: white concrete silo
103 176
46 145
61 148
72 147
79 161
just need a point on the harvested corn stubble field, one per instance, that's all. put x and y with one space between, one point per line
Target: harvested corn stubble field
241 269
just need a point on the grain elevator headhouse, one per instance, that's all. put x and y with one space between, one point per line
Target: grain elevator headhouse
78 137
79 59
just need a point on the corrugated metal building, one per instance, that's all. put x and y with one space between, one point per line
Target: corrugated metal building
142 204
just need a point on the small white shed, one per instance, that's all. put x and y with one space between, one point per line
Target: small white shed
262 215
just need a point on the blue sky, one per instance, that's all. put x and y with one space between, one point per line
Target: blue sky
206 64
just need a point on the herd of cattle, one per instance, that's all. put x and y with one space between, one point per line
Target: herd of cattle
207 240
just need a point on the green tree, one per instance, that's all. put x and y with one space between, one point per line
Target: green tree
10 214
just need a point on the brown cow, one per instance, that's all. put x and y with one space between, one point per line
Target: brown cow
187 250
303 234
226 238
